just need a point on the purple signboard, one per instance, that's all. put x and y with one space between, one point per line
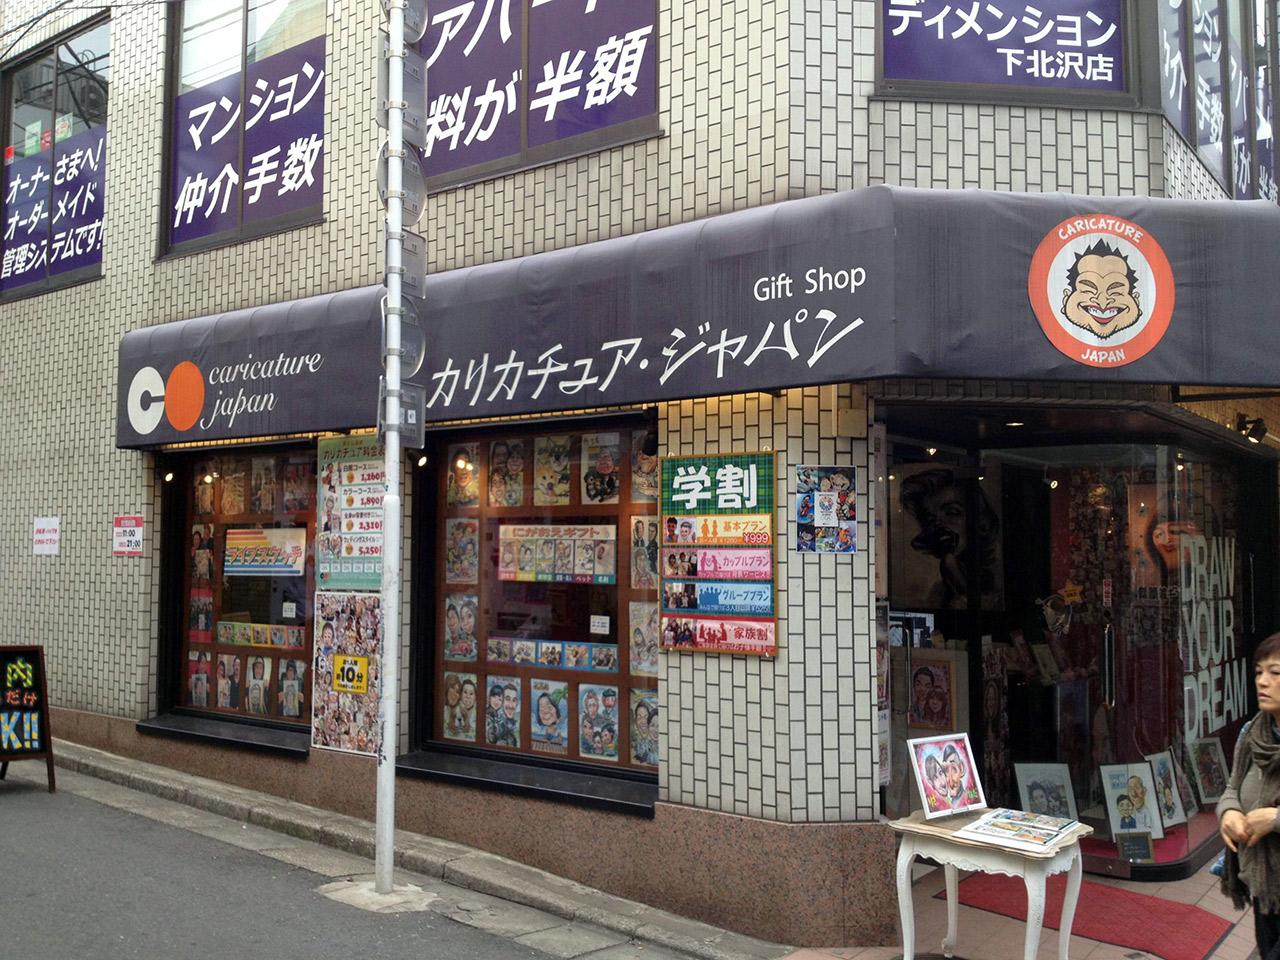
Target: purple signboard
1079 45
1266 136
1173 67
284 132
592 65
1241 120
79 183
474 86
1207 53
26 221
205 190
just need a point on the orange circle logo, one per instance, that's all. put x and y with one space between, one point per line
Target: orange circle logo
184 395
1102 290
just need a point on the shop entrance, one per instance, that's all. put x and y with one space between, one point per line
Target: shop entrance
1085 612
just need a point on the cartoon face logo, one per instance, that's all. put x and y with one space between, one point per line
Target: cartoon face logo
1101 296
1102 290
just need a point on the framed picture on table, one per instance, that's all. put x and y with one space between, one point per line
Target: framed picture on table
1209 767
946 775
1046 788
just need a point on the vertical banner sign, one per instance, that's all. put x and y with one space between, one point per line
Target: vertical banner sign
24 709
717 566
346 675
126 536
216 186
352 480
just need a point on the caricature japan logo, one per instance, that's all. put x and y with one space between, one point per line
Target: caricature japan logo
180 398
1102 290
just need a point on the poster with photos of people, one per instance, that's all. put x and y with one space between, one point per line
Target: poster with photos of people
461 699
461 615
502 712
826 509
552 465
461 550
549 716
601 478
557 553
291 687
350 486
717 554
346 672
645 550
506 482
598 721
645 727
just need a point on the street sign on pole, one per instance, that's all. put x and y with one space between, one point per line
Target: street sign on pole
413 185
415 18
413 413
413 263
413 339
414 97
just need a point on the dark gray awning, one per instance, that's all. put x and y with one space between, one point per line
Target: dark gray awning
864 284
295 367
761 299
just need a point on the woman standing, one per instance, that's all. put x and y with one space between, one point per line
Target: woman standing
1248 812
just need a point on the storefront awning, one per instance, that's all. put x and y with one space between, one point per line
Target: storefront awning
870 283
296 367
865 284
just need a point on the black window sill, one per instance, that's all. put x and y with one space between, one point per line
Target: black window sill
294 744
590 790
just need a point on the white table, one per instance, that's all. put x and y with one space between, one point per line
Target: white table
934 839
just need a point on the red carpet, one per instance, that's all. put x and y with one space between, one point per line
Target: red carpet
1174 931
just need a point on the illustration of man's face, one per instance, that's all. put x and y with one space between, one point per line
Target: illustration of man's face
1101 298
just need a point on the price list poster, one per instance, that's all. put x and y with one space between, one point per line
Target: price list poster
352 481
718 560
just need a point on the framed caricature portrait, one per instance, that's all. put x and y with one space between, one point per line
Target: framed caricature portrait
1046 788
1167 797
932 692
1209 767
946 775
1130 793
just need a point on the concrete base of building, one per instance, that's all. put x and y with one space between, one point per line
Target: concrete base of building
803 884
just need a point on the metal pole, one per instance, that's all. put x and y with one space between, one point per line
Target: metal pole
384 850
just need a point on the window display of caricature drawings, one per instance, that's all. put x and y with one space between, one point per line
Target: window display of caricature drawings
1168 801
933 693
946 775
1130 793
1045 788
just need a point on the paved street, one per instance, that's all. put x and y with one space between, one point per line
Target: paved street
97 870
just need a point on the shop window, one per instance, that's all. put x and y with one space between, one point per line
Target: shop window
246 150
248 585
54 165
547 613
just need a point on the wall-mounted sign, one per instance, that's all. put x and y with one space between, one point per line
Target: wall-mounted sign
826 509
271 552
352 482
126 536
46 536
24 709
558 553
1070 44
717 576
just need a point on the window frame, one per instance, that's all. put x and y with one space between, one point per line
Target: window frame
89 272
429 588
304 217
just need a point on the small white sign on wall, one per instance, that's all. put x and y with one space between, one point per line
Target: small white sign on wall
126 536
46 536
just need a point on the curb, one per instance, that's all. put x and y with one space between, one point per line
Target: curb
453 863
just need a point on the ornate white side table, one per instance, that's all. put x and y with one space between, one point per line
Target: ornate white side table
935 839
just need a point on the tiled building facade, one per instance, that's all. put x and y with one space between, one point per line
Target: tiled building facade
757 103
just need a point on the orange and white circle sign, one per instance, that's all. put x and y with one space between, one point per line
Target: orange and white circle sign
1102 290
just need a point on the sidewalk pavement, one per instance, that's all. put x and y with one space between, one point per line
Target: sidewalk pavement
982 935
